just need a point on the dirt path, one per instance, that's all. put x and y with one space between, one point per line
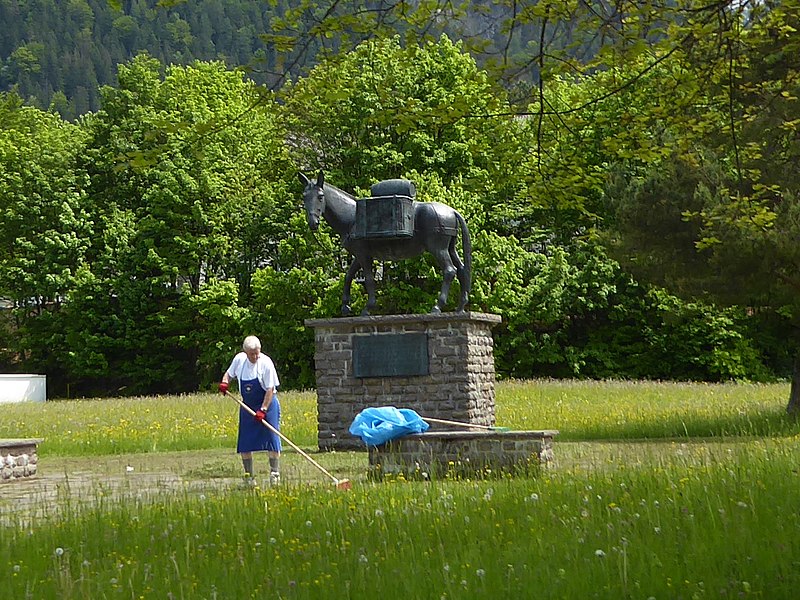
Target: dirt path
66 482
61 483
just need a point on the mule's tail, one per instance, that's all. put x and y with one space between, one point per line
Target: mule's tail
466 243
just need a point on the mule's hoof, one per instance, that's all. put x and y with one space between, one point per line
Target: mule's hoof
346 310
436 310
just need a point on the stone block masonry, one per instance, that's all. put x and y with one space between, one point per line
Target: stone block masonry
463 454
18 459
454 380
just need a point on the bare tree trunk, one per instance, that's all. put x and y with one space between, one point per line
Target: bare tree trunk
793 408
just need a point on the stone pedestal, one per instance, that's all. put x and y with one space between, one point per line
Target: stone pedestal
441 366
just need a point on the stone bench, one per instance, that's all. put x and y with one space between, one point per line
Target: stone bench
18 458
460 454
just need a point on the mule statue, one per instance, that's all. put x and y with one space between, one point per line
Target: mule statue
434 227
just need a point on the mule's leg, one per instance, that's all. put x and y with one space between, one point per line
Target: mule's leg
463 278
348 284
369 285
448 274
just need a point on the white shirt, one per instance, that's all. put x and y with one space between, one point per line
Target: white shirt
264 370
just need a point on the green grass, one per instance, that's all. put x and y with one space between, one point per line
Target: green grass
147 424
725 528
580 410
698 500
591 410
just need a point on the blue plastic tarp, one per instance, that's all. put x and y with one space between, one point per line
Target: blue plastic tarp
378 425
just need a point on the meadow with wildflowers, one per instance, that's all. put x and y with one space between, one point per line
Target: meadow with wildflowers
147 424
660 491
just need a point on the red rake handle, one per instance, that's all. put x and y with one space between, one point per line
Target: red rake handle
284 438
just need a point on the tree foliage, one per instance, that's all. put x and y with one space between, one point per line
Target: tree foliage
45 228
386 111
722 209
181 194
622 168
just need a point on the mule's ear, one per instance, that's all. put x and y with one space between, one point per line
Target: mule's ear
303 179
320 179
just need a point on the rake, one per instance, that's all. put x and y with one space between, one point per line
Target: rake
463 424
341 484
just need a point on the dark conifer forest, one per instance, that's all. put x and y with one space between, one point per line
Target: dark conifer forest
57 53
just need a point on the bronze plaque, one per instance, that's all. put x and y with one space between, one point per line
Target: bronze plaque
390 355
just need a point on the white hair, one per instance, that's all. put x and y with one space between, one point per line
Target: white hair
251 342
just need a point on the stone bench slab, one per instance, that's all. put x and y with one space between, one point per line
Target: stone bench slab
18 458
461 454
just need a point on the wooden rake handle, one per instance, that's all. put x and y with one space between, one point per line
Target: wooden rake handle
284 438
462 424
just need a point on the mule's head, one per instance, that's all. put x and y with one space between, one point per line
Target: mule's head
313 199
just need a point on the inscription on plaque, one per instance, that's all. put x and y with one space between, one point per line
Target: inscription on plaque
390 355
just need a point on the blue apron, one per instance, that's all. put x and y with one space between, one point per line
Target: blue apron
253 435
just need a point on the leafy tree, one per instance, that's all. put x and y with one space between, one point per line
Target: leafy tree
45 231
580 315
126 30
282 302
387 111
186 169
539 50
641 121
568 311
727 206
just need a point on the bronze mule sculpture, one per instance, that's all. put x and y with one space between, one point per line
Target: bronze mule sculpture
436 228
